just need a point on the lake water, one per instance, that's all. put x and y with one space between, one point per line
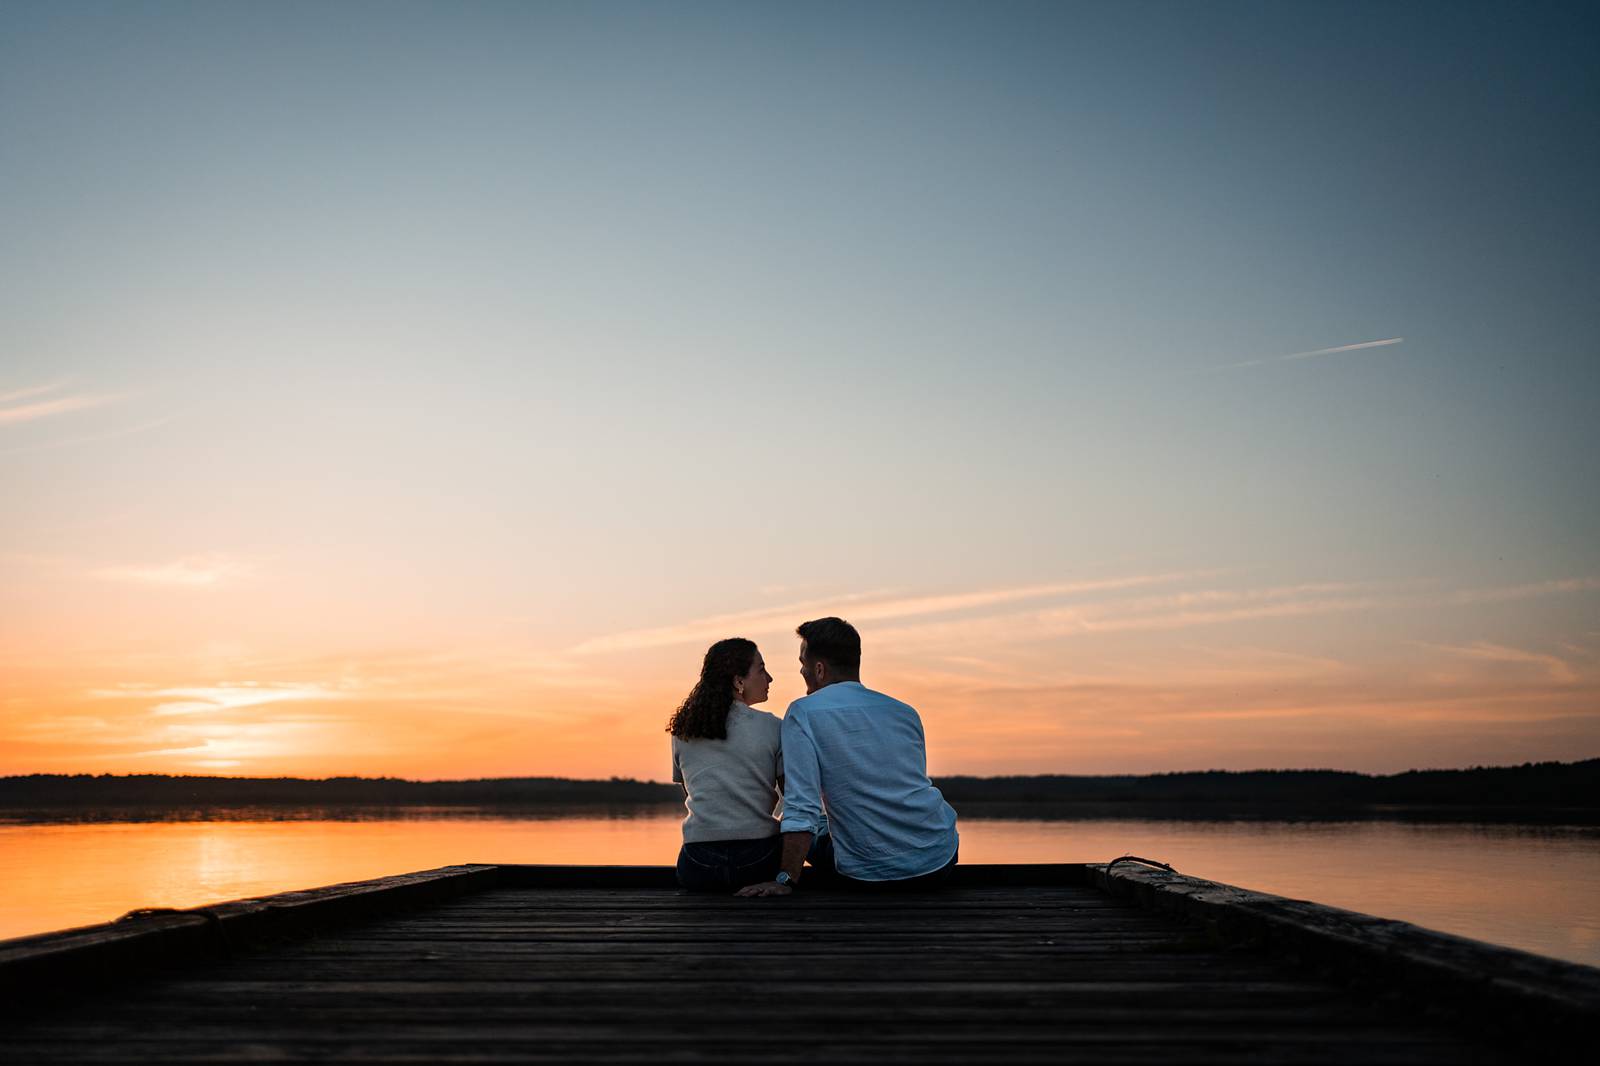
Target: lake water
1531 887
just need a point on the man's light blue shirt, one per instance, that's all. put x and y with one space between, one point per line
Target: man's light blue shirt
860 757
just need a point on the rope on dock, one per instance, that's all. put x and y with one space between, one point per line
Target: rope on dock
1139 859
213 919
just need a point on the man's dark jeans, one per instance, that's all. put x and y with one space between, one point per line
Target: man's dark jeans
824 872
728 865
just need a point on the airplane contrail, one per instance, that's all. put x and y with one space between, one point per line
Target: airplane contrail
1308 355
128 432
32 390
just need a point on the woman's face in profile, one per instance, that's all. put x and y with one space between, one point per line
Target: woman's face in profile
752 687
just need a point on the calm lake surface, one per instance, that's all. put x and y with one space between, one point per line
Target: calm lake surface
1535 887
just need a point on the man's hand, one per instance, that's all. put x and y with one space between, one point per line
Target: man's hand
795 846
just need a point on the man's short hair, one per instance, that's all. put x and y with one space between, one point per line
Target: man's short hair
834 641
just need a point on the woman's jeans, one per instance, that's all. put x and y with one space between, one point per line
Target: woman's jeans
728 865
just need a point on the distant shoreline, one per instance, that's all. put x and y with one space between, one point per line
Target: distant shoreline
1525 816
1539 792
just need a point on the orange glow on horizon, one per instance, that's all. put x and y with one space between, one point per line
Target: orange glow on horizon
1106 702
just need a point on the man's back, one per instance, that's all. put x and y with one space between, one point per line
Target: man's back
861 755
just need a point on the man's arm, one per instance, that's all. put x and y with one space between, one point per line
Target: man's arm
795 848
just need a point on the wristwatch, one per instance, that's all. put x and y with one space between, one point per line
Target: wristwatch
783 878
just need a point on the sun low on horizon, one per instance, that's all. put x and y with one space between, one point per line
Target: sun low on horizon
420 395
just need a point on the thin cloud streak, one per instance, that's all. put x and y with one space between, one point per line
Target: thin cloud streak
1180 610
33 390
1298 356
780 619
965 601
761 620
113 435
1482 650
33 411
1529 591
1204 607
1186 610
205 571
1181 600
1188 619
224 697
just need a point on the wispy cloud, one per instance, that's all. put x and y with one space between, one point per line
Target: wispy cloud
1198 608
186 700
33 390
714 627
1186 619
1529 591
91 438
199 571
217 745
46 408
1298 356
1483 650
874 606
1180 610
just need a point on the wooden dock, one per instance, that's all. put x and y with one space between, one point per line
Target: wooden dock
1058 963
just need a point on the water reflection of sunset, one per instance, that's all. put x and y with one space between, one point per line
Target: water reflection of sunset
1450 877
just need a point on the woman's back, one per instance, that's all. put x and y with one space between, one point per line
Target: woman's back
732 785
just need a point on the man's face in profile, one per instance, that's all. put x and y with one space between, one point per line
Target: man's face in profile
807 670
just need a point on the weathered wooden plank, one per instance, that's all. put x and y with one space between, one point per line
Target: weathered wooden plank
830 902
964 876
951 898
968 1002
857 933
497 904
875 1032
790 948
54 963
646 925
1515 991
854 939
696 908
867 1029
1041 970
600 1049
765 940
223 987
930 969
616 881
778 913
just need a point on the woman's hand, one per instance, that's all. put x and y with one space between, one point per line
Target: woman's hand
765 888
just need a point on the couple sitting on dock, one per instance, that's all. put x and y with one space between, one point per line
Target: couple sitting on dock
840 781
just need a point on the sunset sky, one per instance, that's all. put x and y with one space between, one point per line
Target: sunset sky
417 389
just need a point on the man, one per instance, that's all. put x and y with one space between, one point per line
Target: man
861 756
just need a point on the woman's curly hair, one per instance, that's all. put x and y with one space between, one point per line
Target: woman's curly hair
704 713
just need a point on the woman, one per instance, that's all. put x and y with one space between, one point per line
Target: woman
729 760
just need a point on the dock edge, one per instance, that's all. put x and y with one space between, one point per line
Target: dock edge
1517 994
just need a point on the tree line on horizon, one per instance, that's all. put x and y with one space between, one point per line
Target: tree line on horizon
1548 784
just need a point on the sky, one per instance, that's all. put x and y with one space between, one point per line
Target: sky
418 389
